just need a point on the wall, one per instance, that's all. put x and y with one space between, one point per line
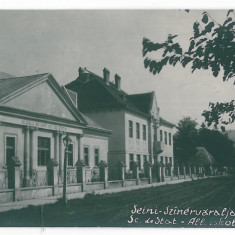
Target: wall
93 142
133 145
11 131
17 131
112 120
168 149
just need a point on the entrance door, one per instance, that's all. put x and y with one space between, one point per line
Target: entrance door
10 152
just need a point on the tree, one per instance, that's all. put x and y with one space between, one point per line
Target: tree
185 140
218 145
212 47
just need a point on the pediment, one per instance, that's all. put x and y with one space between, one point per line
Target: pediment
42 99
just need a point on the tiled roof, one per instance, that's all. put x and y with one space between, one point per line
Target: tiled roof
91 123
163 122
13 84
202 156
5 75
142 101
96 94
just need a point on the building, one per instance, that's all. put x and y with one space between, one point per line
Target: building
35 115
160 131
134 120
202 158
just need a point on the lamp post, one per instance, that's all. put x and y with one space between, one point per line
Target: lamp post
67 141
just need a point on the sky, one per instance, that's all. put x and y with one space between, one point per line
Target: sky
61 41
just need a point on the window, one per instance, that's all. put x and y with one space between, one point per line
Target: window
169 138
86 156
96 157
161 159
165 133
131 160
145 158
170 160
139 160
70 155
10 148
137 130
144 132
130 129
160 135
166 159
44 150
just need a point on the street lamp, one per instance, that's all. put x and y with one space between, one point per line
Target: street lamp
67 141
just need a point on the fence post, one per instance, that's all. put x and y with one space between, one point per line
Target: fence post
81 173
157 170
163 171
184 171
103 166
189 170
14 176
121 167
148 171
136 172
178 171
52 169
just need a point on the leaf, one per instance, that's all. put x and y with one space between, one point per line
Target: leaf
186 60
227 20
201 41
209 27
170 37
205 18
192 44
196 29
171 60
229 12
146 62
215 73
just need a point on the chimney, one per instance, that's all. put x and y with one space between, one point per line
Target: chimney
106 74
118 81
84 75
80 71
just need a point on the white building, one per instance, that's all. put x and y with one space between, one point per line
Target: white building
35 115
133 119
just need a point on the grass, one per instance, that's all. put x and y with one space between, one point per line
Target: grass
115 209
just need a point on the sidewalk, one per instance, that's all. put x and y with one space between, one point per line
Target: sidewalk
49 200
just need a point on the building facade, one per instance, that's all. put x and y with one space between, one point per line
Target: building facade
133 119
35 115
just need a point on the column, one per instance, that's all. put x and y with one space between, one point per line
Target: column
31 159
60 154
56 145
79 146
26 157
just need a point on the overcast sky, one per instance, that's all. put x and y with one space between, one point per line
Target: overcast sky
59 42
